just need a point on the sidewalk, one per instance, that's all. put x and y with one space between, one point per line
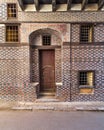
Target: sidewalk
61 106
53 105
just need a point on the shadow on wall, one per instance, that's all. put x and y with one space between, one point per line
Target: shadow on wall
35 37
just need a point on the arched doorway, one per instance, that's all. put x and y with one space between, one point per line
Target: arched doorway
45 59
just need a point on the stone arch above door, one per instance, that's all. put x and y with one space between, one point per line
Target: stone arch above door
35 37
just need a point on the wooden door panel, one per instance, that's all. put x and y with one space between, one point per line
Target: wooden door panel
47 70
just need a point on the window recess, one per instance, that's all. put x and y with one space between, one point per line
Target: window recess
46 39
86 33
12 33
86 78
11 11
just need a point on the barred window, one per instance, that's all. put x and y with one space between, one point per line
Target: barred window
12 33
46 40
86 78
11 11
86 33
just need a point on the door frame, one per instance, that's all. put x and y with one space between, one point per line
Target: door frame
39 51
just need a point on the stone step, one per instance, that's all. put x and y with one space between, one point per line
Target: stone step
46 94
43 108
46 99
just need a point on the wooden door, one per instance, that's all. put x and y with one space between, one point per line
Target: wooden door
47 70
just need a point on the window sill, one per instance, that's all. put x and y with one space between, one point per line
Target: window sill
35 84
86 86
12 18
12 42
86 42
86 91
59 84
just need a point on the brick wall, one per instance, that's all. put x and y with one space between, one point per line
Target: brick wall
19 66
15 73
75 33
64 90
83 57
58 67
77 57
3 12
15 67
99 33
85 16
87 58
2 33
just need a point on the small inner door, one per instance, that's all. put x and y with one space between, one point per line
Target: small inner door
47 70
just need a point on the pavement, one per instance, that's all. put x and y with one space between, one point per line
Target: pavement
53 105
51 120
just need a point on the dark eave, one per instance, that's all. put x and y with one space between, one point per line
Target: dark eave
57 1
84 3
100 4
36 2
28 1
69 2
21 4
54 3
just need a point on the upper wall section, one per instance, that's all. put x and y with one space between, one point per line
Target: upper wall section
55 16
28 28
3 11
98 33
62 17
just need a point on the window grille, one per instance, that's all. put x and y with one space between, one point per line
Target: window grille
86 78
11 10
86 33
12 33
46 40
